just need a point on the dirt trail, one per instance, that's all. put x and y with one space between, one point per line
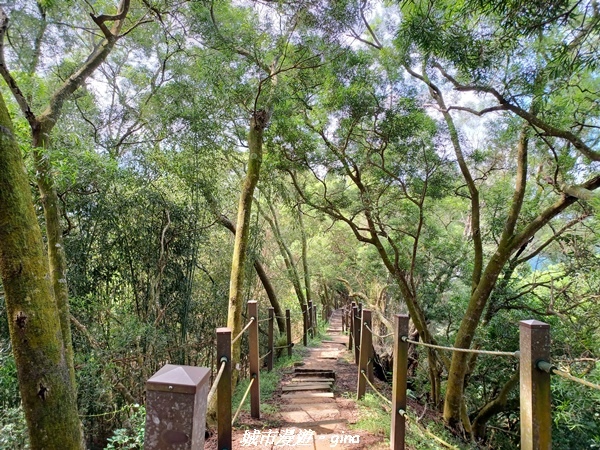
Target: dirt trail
314 402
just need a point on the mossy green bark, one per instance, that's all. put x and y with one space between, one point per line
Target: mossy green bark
46 387
236 282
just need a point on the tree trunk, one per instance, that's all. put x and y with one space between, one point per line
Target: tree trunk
288 259
304 255
56 252
264 279
234 316
45 381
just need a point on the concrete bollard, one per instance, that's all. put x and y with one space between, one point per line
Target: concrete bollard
176 408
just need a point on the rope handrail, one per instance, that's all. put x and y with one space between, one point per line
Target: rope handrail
516 354
404 414
265 355
264 320
377 335
553 370
252 319
243 400
362 372
213 388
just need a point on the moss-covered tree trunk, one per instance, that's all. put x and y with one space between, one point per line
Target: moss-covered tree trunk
45 382
57 258
264 279
258 123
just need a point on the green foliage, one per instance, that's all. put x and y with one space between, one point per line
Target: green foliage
13 429
131 437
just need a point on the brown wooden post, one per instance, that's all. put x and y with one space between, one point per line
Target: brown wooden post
254 360
304 325
351 319
365 365
399 374
224 440
288 331
536 420
271 340
343 320
311 321
357 329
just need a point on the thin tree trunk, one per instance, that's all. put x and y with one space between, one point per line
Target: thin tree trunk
236 306
56 253
45 382
304 255
288 259
264 279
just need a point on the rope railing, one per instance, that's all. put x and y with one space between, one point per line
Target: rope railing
404 414
377 335
252 319
553 370
516 354
265 355
364 374
215 384
243 400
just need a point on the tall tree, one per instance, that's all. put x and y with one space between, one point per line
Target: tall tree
47 387
41 126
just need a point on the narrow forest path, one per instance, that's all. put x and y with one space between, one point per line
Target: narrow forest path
314 403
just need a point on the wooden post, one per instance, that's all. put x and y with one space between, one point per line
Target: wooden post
288 331
536 420
399 374
271 340
343 320
365 365
311 322
357 329
304 325
224 440
351 325
253 358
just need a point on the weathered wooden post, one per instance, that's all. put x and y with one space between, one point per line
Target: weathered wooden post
365 365
288 331
356 312
271 340
224 389
351 323
253 356
304 325
311 319
536 420
176 403
399 374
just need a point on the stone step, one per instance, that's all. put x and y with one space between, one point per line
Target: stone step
313 380
307 387
306 397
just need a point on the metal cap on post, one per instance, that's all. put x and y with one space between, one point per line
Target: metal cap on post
536 420
176 408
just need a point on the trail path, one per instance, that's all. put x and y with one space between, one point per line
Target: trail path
315 403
